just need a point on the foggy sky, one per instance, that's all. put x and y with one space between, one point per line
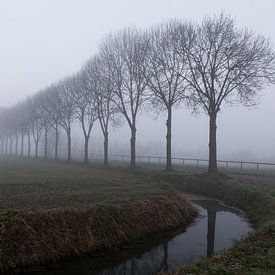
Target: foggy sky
45 40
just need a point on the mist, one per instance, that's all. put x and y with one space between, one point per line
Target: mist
137 137
48 40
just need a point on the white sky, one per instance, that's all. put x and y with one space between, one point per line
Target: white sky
44 40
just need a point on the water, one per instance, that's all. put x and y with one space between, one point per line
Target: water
215 229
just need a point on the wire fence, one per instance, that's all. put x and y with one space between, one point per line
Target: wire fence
193 163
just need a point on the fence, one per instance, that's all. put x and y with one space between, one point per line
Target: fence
229 165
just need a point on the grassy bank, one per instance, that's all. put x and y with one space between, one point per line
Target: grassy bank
50 212
40 238
256 253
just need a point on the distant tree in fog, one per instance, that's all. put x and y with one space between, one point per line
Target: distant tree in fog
12 126
52 103
43 109
36 121
66 109
85 107
164 73
15 123
28 115
124 53
98 78
23 123
2 130
226 66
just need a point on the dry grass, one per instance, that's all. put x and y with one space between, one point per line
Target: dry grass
39 238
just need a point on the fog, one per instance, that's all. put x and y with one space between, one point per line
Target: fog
43 41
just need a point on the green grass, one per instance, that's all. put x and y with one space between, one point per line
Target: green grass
31 184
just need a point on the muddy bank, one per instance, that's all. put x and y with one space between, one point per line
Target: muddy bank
42 238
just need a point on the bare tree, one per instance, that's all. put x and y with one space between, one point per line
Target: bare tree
52 109
2 130
164 72
98 79
66 109
20 112
86 108
16 138
36 121
125 54
28 114
43 109
11 128
226 66
23 125
2 138
5 130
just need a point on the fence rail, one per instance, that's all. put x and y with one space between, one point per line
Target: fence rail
199 163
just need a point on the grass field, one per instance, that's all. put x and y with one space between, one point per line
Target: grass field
31 184
87 190
52 211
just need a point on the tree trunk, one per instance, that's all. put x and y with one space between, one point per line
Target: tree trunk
56 144
36 149
46 144
2 145
168 140
29 145
7 145
69 154
16 144
86 149
212 167
106 148
22 144
133 146
10 145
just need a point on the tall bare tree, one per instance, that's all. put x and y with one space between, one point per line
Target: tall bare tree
52 109
99 81
23 125
2 130
125 54
43 109
20 116
66 110
85 107
13 125
28 115
36 121
226 66
165 69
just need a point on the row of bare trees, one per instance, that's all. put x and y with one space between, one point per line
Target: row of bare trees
199 66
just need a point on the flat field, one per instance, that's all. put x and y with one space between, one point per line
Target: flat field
35 184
